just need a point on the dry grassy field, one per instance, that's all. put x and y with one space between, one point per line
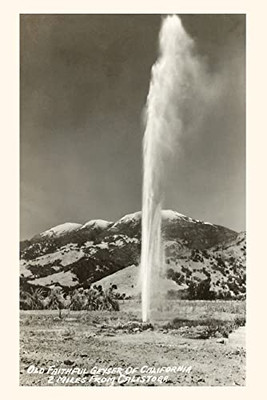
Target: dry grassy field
188 343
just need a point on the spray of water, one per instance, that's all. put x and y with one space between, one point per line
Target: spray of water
172 77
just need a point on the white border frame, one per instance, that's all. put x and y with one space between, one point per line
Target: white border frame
256 198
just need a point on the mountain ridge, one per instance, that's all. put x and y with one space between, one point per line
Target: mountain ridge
71 255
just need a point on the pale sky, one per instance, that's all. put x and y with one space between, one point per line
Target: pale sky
84 82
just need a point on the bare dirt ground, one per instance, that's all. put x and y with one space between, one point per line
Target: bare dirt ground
78 349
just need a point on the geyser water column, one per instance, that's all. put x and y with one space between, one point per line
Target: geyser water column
168 90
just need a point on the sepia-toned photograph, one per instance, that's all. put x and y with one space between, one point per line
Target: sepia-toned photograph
132 200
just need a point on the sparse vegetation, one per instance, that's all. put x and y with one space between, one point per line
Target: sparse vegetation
80 299
32 299
205 328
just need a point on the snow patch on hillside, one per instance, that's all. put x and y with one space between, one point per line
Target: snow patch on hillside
169 214
166 214
97 223
88 244
122 239
61 229
133 217
174 215
131 240
119 242
102 245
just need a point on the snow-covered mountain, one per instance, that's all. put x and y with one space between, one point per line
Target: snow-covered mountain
72 255
62 229
96 224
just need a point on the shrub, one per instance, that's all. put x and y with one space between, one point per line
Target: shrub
32 299
55 300
200 290
94 299
80 299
